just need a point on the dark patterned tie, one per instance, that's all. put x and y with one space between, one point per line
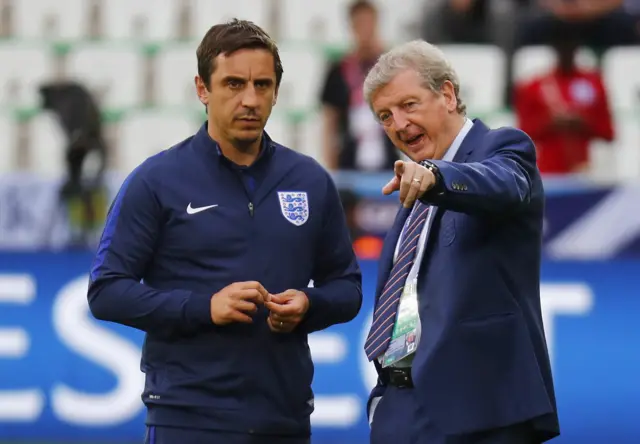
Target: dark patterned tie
386 309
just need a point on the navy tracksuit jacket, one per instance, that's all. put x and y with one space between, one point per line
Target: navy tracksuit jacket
158 265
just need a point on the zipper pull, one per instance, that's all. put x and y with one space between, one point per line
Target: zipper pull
251 209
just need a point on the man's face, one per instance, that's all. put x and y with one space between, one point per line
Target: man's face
364 25
414 117
241 94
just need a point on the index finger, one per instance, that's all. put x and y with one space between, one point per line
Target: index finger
398 167
405 182
282 310
249 294
257 286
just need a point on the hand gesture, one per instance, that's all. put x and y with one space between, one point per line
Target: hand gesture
287 310
235 302
411 179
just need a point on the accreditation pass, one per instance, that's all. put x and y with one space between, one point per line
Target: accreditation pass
403 339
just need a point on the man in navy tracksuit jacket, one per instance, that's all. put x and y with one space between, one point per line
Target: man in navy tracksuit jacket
209 248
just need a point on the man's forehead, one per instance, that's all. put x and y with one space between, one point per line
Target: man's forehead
246 63
401 86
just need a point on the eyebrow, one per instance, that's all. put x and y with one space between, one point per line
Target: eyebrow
228 79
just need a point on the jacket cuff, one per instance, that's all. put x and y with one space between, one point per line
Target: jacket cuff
197 310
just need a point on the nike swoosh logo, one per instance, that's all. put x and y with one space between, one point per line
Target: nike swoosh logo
191 210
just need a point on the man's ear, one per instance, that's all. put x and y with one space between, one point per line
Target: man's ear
202 90
449 93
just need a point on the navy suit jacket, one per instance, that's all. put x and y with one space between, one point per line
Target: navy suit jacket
482 361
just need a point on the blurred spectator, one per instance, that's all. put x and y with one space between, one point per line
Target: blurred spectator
600 23
365 246
353 139
564 110
457 21
82 192
471 21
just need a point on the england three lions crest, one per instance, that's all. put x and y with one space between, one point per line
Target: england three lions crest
294 206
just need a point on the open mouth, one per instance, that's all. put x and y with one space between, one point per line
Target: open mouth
414 141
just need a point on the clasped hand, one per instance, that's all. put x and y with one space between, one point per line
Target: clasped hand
236 302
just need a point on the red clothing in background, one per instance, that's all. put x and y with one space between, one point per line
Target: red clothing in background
578 92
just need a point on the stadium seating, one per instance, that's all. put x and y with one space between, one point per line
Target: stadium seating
8 144
47 146
304 69
398 24
621 69
51 19
114 71
143 20
25 66
531 61
139 59
482 93
144 133
281 129
174 68
205 13
318 22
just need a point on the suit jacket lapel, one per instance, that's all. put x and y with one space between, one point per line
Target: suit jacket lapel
471 141
389 248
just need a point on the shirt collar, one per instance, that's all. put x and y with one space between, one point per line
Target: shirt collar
455 146
204 141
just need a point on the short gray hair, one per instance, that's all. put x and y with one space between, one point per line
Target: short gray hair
427 60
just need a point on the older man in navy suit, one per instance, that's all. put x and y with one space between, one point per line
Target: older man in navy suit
457 334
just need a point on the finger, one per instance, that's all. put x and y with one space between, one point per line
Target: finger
414 190
272 325
412 194
248 294
276 325
257 286
238 316
391 186
282 310
244 306
282 318
277 299
427 182
285 297
405 182
399 167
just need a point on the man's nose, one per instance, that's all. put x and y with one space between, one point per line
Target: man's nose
400 120
249 97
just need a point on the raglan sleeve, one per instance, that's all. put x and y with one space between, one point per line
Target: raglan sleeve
336 297
117 292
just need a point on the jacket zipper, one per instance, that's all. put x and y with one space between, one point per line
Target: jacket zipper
251 209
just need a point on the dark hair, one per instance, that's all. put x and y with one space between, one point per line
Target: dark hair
361 5
227 38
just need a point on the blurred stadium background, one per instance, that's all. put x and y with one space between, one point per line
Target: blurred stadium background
65 148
